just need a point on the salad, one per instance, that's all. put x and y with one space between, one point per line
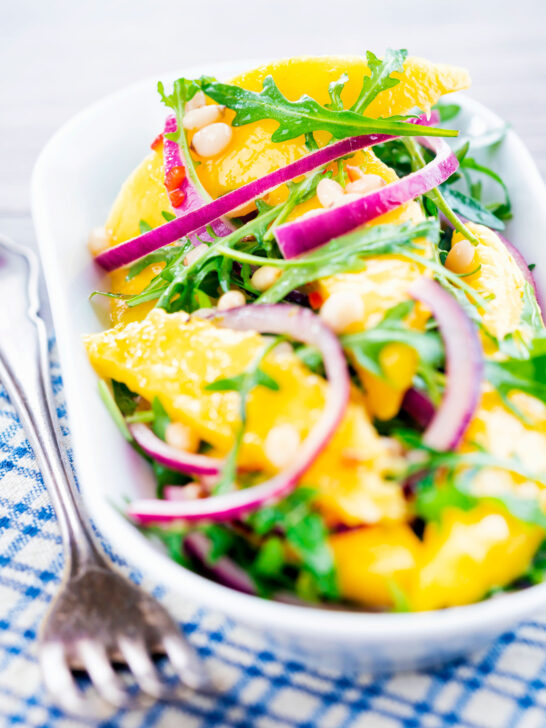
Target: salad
321 343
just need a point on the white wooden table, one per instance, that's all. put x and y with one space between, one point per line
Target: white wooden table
57 56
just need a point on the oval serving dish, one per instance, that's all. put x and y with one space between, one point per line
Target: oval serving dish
74 182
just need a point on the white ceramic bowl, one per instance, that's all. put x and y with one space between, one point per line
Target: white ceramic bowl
75 181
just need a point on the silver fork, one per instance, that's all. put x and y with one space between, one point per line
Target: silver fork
97 617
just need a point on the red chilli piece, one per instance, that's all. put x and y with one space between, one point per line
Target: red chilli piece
174 178
177 197
315 299
157 141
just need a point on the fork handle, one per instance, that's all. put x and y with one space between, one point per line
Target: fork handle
24 371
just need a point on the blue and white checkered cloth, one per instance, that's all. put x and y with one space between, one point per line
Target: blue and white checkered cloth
501 687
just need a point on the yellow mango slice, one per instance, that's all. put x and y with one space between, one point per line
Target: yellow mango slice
470 553
142 197
372 562
170 357
498 431
252 154
499 279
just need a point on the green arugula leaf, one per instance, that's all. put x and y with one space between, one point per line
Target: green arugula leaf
243 383
221 540
447 111
366 345
125 399
172 539
526 374
165 476
112 407
144 227
470 208
380 77
503 209
271 558
531 314
456 487
161 418
169 255
304 116
305 531
344 254
536 573
334 92
456 492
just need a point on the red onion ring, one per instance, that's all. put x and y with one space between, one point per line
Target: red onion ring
464 366
308 233
172 457
196 219
300 324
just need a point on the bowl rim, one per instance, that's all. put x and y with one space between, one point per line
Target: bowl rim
130 543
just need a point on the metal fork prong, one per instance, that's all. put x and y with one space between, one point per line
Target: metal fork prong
141 665
101 673
184 662
59 679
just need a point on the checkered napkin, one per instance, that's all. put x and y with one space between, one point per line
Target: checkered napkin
503 686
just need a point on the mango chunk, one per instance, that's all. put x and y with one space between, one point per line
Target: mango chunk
470 553
372 562
173 358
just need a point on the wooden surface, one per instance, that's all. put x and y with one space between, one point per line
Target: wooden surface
57 56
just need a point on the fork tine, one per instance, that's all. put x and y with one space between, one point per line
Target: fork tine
141 665
184 661
103 676
58 677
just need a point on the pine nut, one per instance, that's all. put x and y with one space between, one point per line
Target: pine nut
461 257
265 277
231 299
329 192
341 310
366 183
348 197
181 437
98 240
196 102
195 254
204 115
212 139
281 444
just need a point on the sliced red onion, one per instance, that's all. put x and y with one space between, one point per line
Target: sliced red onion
464 365
193 197
198 218
225 570
308 233
300 324
172 457
418 406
